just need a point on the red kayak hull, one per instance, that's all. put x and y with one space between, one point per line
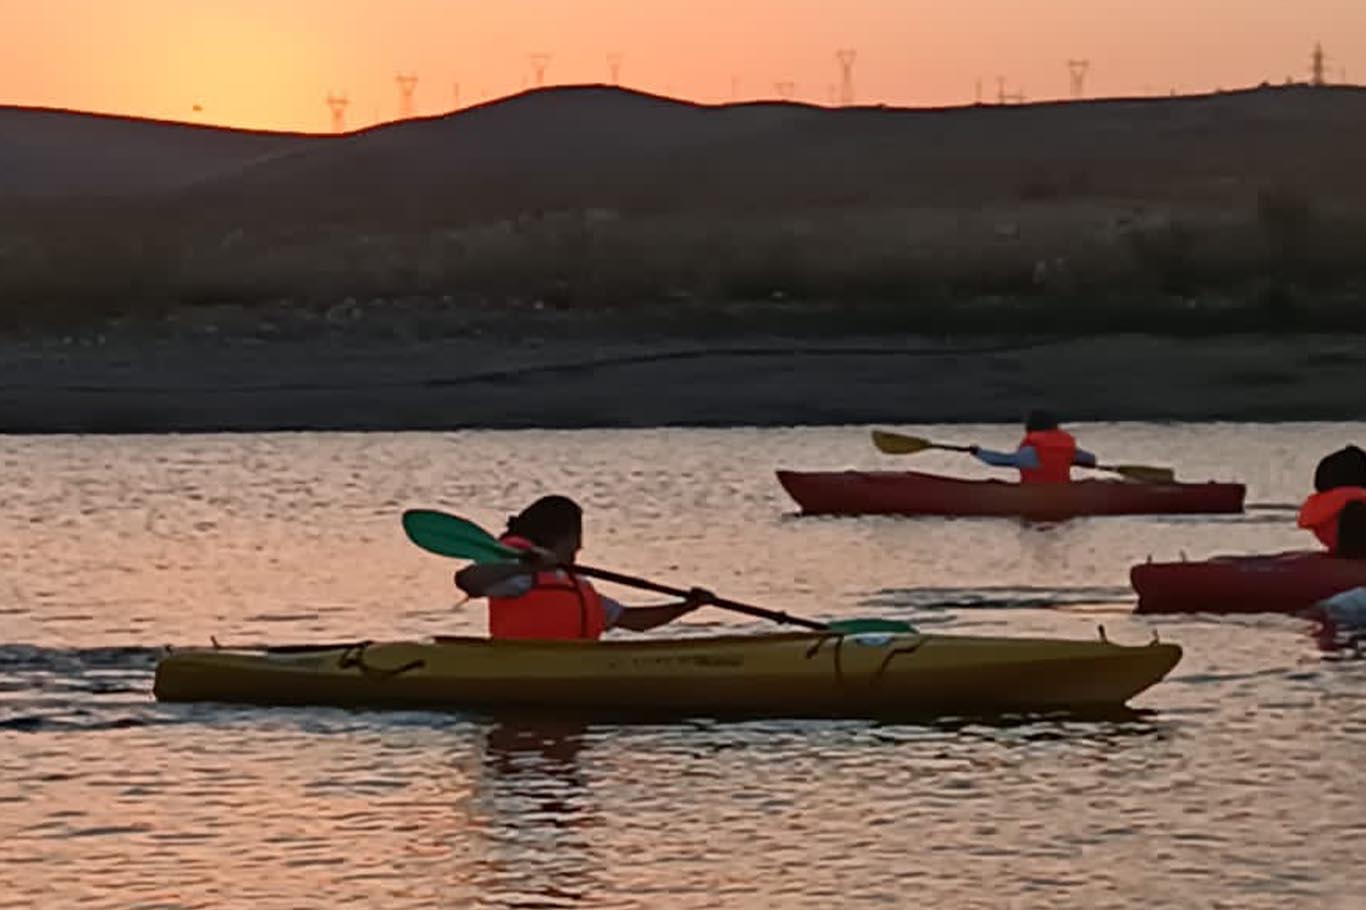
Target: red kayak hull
914 493
1281 583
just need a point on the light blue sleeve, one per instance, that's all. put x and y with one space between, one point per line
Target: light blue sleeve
1023 457
611 611
514 587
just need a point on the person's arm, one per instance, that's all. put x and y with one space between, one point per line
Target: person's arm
643 619
1024 457
1084 458
480 579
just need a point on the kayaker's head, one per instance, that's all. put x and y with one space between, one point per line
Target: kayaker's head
1344 468
1037 421
552 522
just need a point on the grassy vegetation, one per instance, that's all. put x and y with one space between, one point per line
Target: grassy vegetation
1046 263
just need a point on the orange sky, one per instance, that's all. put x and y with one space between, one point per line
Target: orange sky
270 63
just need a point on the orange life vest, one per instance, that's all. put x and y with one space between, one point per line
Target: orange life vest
1056 450
1321 510
559 606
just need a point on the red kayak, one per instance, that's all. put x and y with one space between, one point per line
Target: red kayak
913 493
1281 583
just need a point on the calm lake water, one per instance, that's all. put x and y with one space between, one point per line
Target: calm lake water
1240 785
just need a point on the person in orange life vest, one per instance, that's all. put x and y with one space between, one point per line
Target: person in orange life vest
1336 510
535 598
1045 455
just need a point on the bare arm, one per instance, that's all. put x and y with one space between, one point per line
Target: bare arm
477 579
642 619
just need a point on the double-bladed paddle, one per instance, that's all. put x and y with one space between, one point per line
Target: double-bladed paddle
901 444
450 535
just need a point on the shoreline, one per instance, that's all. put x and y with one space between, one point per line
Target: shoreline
595 378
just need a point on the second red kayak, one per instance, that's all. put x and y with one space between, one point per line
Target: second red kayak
914 493
1280 583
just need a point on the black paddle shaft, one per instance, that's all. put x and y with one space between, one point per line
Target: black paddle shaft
734 606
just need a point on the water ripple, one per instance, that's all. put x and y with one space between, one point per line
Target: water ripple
1235 783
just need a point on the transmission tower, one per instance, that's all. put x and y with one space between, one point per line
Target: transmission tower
1078 69
338 105
846 60
407 85
539 64
1004 97
785 89
1318 66
614 61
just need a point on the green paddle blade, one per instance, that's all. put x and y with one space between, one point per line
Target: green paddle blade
858 626
447 535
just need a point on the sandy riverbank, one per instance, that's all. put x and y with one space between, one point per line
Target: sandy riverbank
545 370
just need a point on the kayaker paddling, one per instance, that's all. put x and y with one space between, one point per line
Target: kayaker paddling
1045 455
537 599
1336 511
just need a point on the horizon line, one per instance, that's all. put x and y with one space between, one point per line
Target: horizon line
686 102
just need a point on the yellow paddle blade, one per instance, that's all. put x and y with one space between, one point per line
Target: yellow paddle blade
1145 473
899 444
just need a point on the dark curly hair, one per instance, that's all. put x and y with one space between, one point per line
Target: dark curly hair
547 520
1344 468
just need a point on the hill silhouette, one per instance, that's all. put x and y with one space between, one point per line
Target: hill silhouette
55 155
612 147
591 256
601 194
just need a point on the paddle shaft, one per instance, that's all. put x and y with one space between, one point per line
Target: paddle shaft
1125 471
952 448
460 538
1093 467
631 581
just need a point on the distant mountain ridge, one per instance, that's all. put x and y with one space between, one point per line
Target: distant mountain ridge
599 147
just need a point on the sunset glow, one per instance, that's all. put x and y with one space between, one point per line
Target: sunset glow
266 64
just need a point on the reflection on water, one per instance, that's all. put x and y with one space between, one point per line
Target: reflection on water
1235 783
542 814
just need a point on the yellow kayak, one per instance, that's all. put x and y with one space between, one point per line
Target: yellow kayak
792 675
